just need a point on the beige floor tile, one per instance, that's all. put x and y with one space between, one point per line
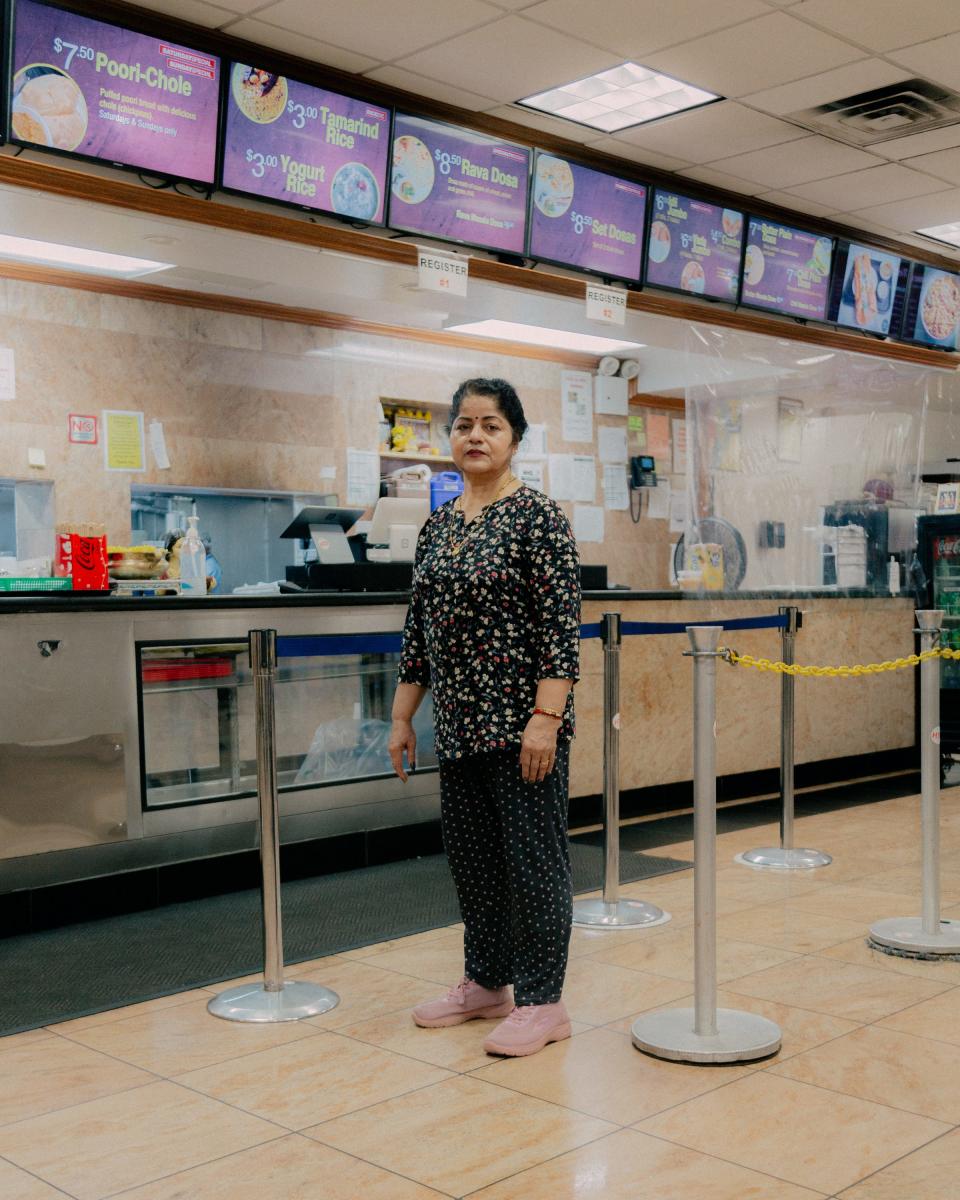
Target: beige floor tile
42 1076
628 1165
25 1038
856 903
890 1068
586 942
18 1185
104 1146
402 943
598 992
367 991
313 1080
671 956
907 881
457 1048
839 989
926 1174
858 951
845 868
459 1135
292 1168
937 1018
293 970
131 1010
739 882
807 1135
601 1074
787 928
439 960
171 1041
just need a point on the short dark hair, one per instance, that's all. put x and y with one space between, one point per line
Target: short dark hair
505 395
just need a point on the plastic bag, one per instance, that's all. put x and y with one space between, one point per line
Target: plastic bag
346 748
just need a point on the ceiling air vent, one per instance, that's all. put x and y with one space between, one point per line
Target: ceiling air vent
897 110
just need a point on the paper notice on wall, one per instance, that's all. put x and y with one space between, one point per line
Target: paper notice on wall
561 476
638 436
363 478
658 500
530 473
123 440
328 472
678 510
158 444
615 494
658 440
679 429
587 523
613 443
576 403
8 374
534 442
584 478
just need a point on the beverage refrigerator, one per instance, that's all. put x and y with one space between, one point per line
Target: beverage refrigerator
938 548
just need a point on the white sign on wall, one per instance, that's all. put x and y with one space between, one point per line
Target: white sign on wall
441 272
606 304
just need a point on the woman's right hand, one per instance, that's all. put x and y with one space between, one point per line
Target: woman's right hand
402 737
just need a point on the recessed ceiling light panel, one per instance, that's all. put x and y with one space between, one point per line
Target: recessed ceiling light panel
538 335
619 98
97 262
950 233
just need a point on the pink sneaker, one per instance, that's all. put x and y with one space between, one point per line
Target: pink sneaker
465 1002
528 1029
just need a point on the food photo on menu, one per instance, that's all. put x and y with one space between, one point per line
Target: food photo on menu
933 315
694 246
869 289
786 270
298 144
101 91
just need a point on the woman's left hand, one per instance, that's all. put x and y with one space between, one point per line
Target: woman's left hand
538 749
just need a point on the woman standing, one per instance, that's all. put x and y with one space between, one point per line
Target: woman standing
494 629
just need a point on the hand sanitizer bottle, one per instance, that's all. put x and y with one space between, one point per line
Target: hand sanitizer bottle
193 562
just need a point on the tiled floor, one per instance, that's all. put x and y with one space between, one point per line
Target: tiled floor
164 1102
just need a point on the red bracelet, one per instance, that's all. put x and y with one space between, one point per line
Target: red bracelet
548 712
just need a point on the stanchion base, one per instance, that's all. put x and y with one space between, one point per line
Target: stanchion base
740 1036
622 914
252 1002
784 860
907 933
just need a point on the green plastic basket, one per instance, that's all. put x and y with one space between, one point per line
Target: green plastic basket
45 583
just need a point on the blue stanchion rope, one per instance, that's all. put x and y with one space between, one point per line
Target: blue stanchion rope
632 628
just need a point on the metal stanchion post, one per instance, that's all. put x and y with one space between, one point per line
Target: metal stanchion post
929 933
611 912
786 856
274 999
704 1033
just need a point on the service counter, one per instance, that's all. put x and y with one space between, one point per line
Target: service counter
127 735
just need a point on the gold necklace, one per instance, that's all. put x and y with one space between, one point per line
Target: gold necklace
457 545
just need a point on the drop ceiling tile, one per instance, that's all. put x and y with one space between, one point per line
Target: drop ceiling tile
407 81
938 60
263 34
719 179
883 24
782 167
889 182
378 30
514 5
540 121
241 7
945 164
637 154
919 143
212 16
510 59
717 131
919 213
830 85
755 55
637 27
796 203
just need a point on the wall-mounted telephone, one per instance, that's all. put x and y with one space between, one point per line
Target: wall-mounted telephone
643 471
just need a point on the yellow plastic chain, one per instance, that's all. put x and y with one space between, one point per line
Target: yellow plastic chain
782 668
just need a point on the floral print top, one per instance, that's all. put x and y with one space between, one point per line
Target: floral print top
485 625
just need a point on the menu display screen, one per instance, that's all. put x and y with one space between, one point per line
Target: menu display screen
100 91
867 290
786 270
458 185
694 246
586 219
302 145
932 309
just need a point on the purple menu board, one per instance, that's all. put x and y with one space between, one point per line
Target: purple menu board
694 246
786 270
301 145
586 219
100 91
458 185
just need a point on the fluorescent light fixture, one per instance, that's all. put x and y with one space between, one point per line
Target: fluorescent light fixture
817 358
619 98
52 254
537 335
950 234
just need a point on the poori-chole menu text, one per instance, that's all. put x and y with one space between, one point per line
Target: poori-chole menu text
786 270
303 145
98 90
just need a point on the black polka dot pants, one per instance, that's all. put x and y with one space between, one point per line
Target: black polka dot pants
506 841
